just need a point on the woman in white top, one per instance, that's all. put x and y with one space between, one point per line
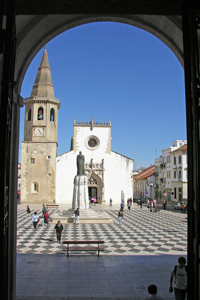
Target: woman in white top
35 218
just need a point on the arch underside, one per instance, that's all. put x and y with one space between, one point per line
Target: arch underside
33 32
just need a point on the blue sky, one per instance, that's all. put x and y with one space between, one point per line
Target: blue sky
117 71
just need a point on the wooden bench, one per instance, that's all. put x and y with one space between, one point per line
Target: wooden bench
52 205
86 248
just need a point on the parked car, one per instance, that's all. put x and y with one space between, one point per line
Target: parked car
179 205
136 198
144 200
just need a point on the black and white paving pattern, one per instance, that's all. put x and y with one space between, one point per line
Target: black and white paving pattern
141 231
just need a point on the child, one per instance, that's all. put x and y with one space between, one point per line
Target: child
120 215
152 289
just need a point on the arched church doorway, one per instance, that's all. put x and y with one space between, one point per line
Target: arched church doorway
92 191
95 187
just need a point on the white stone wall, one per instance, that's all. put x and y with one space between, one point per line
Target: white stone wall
82 133
117 175
65 173
118 169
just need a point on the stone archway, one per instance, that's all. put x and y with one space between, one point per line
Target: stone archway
94 181
33 32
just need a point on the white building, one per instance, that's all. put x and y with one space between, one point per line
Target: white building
144 183
179 174
164 171
109 173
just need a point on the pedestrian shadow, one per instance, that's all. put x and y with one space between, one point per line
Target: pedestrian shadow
50 240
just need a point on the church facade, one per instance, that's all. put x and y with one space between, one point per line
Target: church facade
46 177
109 174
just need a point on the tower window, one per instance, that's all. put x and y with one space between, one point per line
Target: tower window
52 115
40 113
32 160
34 187
29 114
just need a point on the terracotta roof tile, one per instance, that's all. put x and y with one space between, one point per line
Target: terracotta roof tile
145 173
184 147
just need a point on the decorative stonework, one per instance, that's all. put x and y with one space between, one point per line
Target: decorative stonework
92 142
95 174
92 124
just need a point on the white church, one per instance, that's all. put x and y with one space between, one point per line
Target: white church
109 173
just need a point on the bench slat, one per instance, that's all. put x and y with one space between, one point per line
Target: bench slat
83 242
85 248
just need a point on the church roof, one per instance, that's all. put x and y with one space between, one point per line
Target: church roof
43 86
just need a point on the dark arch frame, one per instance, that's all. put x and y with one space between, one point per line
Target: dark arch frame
9 114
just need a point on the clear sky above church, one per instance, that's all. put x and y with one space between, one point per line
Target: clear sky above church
117 71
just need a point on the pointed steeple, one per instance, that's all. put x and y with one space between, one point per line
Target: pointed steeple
43 86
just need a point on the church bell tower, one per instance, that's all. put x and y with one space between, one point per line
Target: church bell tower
39 148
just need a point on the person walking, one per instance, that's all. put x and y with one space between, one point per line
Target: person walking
180 283
155 203
35 219
152 289
129 205
58 229
77 214
120 216
152 203
127 202
28 211
44 209
46 218
164 204
122 206
110 202
148 203
141 203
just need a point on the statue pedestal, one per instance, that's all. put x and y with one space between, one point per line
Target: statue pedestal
80 194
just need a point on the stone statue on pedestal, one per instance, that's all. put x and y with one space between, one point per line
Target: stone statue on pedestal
80 161
80 194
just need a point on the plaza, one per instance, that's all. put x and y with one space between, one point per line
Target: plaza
142 251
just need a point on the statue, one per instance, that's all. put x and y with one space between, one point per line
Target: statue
80 161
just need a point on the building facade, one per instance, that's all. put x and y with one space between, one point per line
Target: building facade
171 172
179 174
144 183
109 173
46 177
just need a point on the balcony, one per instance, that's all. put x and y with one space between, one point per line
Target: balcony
163 180
163 165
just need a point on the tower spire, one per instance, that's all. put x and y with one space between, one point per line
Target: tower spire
43 86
